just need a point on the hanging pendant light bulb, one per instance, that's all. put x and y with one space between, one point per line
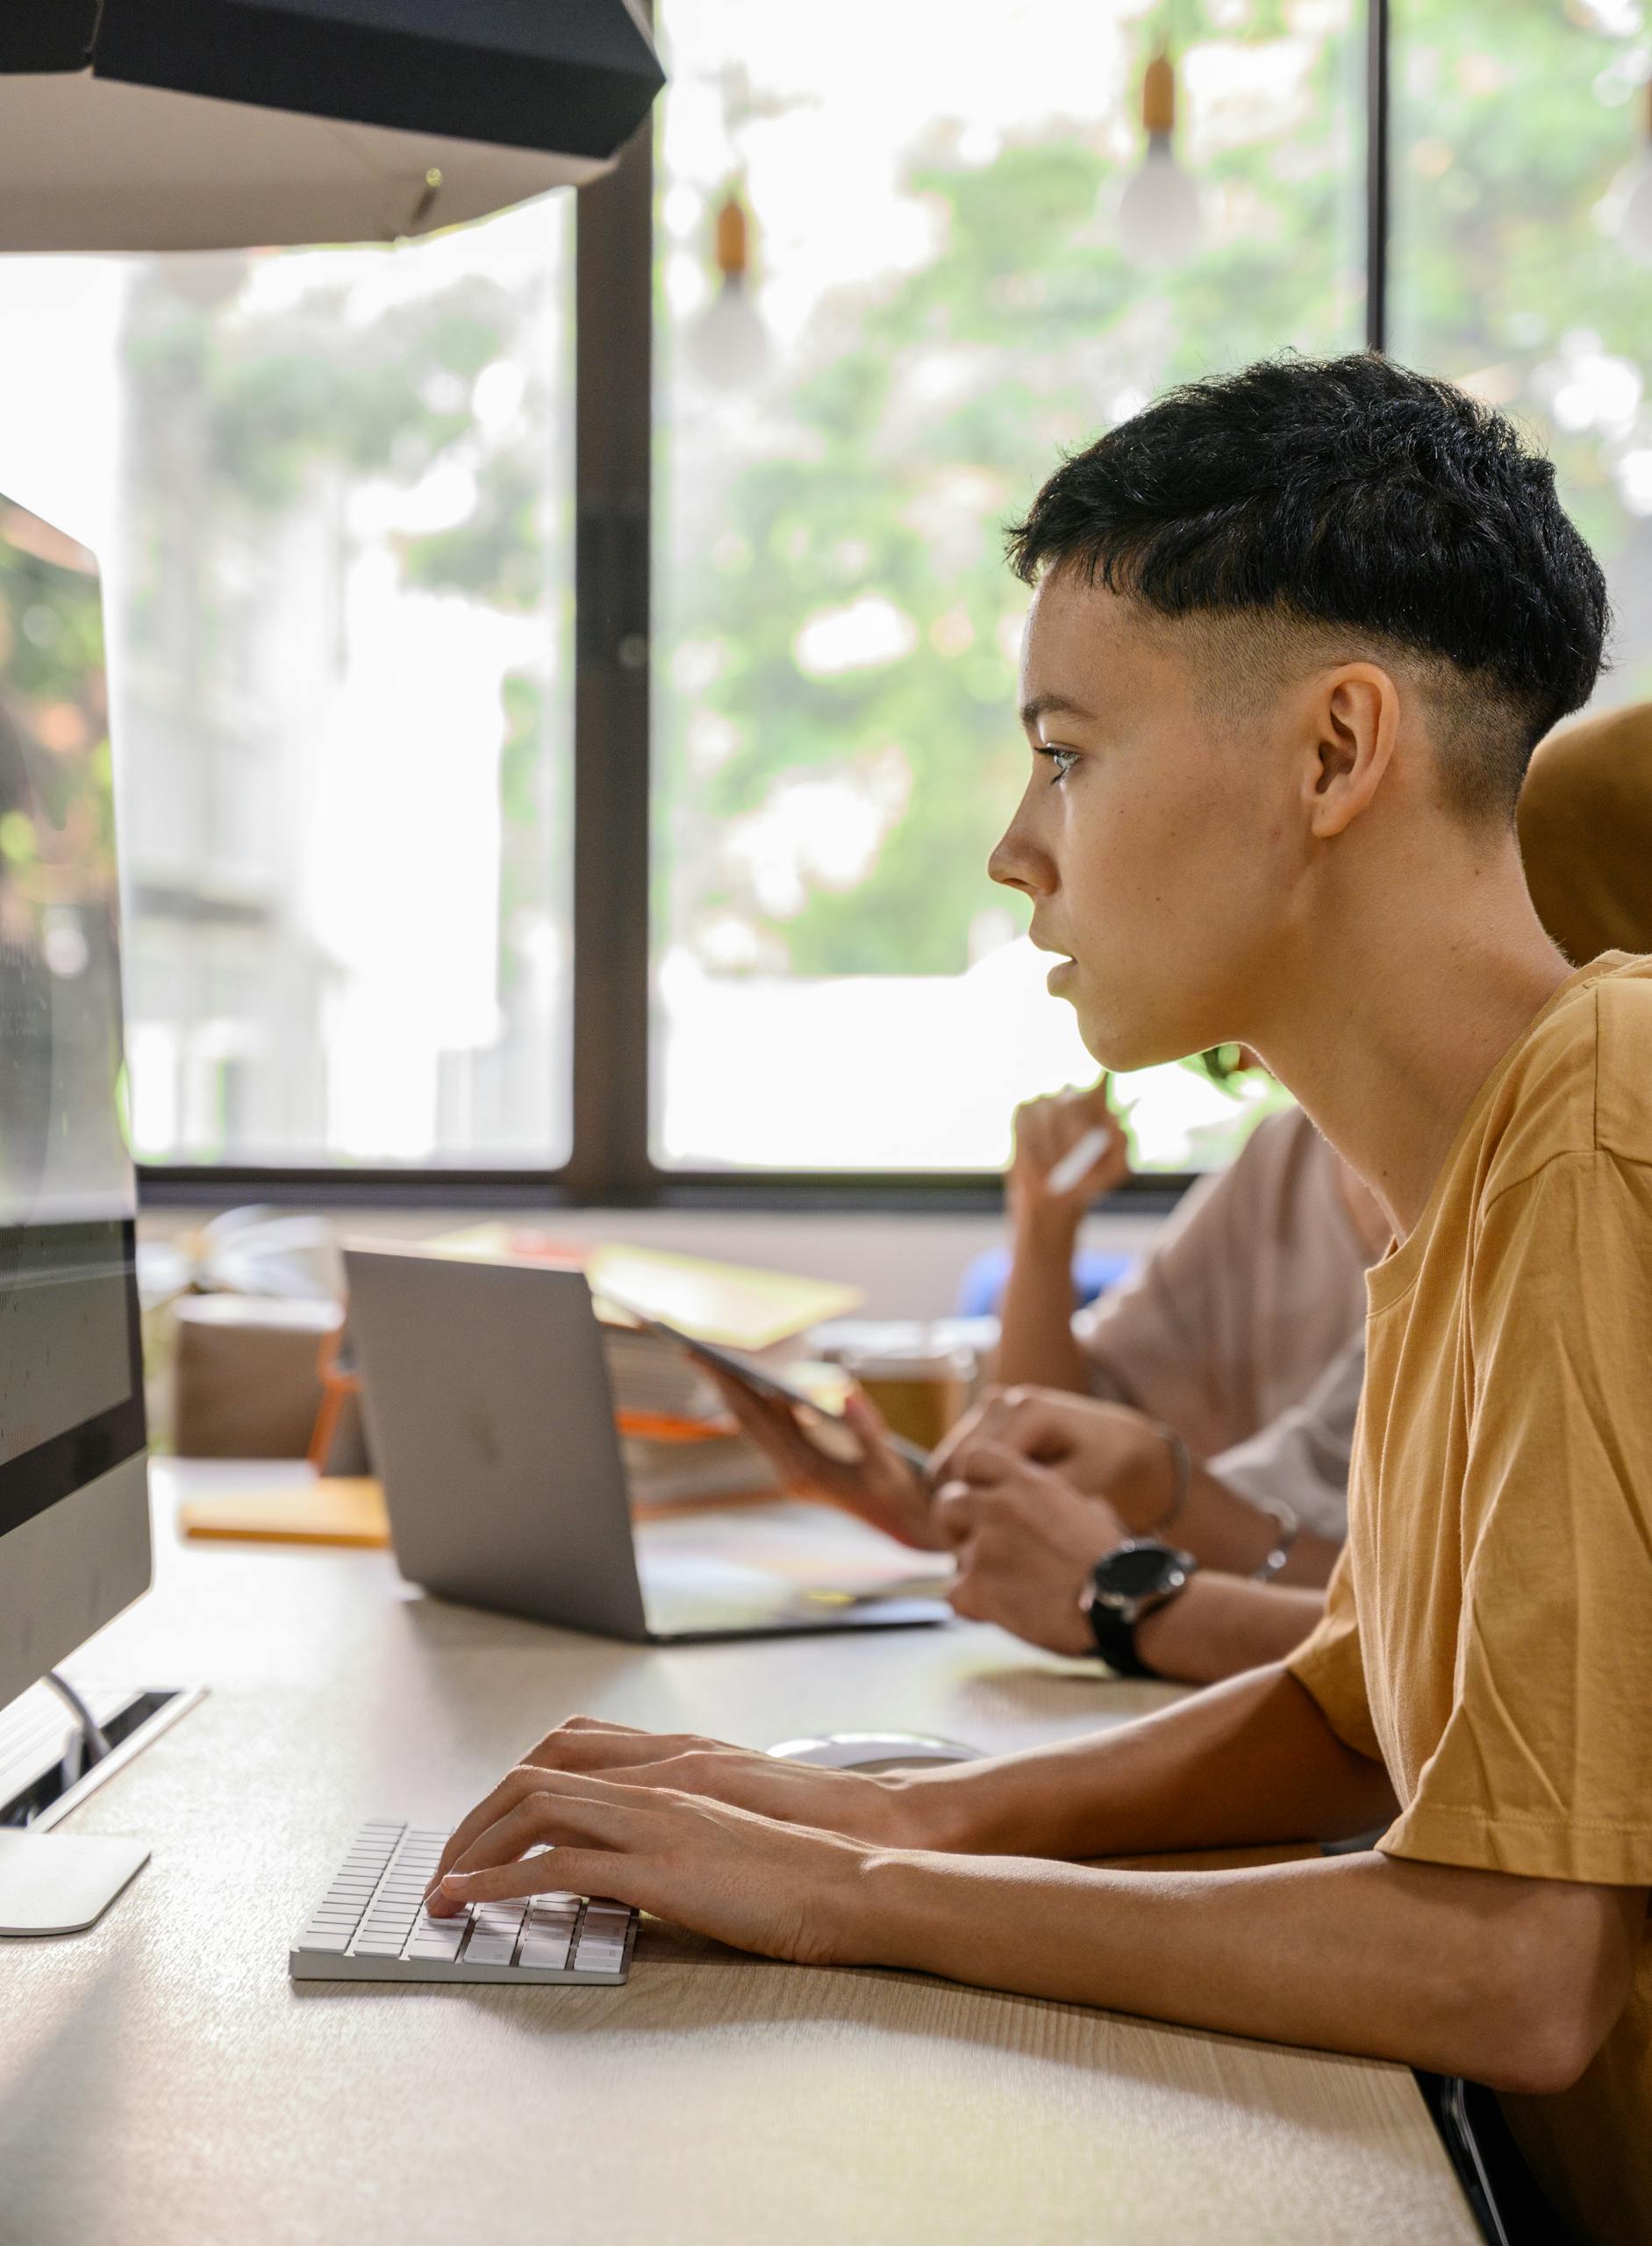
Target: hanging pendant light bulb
728 342
1159 218
1630 199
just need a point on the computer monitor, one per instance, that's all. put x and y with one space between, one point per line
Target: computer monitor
74 1509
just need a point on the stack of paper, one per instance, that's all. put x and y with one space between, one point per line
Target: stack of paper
702 1472
680 1446
653 1380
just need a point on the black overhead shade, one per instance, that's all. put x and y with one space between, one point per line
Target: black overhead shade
216 124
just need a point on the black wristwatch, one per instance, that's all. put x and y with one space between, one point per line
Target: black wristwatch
1126 1585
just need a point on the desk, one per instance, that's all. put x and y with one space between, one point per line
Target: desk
163 2083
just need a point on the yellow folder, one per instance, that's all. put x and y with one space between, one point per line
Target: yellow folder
734 1304
310 1509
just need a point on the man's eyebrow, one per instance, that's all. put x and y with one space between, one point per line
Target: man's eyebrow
1044 706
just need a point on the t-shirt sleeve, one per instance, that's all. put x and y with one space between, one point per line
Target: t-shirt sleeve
1544 1767
1328 1665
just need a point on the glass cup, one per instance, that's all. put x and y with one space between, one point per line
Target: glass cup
921 1392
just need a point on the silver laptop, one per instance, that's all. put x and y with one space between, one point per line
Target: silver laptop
484 1388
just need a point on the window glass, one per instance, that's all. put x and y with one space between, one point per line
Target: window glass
938 302
1517 135
331 491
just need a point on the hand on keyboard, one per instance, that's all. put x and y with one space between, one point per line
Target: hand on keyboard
884 1810
782 1890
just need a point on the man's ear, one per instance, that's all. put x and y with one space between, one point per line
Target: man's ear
1356 716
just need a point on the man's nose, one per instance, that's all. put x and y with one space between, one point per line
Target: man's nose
1016 862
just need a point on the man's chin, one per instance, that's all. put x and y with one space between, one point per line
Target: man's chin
1118 1046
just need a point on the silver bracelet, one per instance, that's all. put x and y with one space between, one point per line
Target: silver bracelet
1289 1526
1181 1478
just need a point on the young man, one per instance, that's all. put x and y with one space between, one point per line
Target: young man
1294 636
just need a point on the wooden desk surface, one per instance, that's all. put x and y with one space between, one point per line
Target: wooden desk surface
163 2084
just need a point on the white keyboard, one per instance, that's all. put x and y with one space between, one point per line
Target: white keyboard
371 1925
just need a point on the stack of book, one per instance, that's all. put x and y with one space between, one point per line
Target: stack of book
680 1445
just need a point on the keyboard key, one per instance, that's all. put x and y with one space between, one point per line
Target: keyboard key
604 1954
437 1938
497 1930
325 1939
490 1949
549 1931
549 1952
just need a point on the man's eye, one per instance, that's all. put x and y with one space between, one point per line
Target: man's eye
1063 760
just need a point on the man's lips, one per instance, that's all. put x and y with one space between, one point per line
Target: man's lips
1065 967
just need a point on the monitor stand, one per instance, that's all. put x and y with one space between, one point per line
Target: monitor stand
60 1883
55 1882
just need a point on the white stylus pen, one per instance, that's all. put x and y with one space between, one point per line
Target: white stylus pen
1078 1159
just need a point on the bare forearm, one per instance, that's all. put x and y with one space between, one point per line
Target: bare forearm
1423 1963
1249 1761
1036 1345
1225 1530
1223 1625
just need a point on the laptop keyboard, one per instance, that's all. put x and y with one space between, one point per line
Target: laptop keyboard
371 1925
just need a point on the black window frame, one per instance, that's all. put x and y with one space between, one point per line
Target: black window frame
611 1164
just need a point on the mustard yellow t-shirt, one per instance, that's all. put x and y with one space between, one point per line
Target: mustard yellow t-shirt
1488 1632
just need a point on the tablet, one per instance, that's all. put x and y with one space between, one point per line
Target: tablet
763 1383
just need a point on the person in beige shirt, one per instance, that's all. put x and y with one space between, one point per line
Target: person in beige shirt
1225 1378
1252 1290
1227 1375
1255 1285
1294 633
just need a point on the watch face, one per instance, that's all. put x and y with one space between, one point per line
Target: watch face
1131 1573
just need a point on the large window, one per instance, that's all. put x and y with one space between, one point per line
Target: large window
332 494
1513 129
938 301
401 569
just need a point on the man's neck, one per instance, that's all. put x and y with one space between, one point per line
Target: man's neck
1387 1049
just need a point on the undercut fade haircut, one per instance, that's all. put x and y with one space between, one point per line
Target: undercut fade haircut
1367 505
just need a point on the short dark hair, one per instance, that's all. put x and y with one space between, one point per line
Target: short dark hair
1354 495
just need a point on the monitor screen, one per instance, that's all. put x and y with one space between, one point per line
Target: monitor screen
70 1380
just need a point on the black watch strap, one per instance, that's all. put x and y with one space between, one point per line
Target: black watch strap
1116 1641
1122 1594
